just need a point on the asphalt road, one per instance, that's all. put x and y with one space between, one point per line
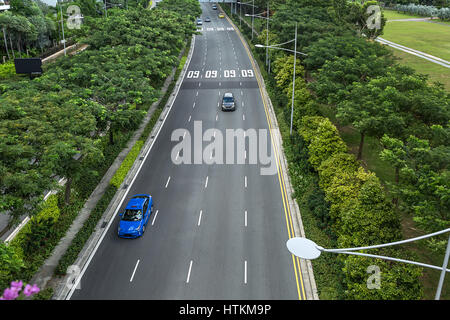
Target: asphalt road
218 231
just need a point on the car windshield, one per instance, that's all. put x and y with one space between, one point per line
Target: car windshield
228 99
132 215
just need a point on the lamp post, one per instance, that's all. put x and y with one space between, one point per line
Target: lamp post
253 15
259 15
307 249
240 12
276 46
62 27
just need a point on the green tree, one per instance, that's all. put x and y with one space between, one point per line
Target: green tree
10 265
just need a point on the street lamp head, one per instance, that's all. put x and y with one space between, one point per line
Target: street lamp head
259 46
303 248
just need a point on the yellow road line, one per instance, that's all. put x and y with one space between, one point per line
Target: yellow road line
288 217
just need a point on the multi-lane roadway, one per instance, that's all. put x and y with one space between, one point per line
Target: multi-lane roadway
218 231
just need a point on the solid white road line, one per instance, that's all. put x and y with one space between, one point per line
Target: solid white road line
154 218
189 272
200 218
167 183
132 276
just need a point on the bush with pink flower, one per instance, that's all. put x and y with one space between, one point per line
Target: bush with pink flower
13 292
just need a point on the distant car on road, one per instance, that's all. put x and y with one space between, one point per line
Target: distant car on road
228 102
207 19
199 21
214 6
135 217
221 15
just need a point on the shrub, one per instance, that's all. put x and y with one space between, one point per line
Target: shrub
371 219
398 281
335 165
7 70
121 173
85 232
10 265
324 140
50 211
343 191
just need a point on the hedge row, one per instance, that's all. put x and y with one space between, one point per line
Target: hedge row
360 215
126 165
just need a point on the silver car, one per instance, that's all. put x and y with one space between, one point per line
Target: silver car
228 102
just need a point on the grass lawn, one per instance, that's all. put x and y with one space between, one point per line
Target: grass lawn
435 71
392 14
431 38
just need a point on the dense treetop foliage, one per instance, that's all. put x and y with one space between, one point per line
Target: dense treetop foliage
52 125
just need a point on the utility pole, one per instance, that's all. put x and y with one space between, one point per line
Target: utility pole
267 31
293 82
253 14
240 13
6 43
62 27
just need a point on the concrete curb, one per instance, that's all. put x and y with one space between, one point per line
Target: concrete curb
67 284
306 266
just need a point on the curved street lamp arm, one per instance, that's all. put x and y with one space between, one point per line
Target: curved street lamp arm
387 244
298 52
392 259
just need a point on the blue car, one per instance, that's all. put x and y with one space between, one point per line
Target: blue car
135 217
